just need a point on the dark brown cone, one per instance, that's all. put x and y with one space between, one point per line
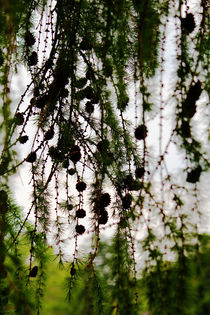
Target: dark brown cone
31 158
194 175
71 171
103 145
81 186
89 107
23 139
49 134
126 201
80 229
80 213
103 218
188 24
141 132
75 154
19 119
33 59
139 172
105 200
29 39
33 272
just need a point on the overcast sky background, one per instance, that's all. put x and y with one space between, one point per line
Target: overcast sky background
175 158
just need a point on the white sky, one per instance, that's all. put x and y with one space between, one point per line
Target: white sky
175 159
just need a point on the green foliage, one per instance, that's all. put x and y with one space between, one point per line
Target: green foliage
182 286
98 78
148 23
166 288
17 295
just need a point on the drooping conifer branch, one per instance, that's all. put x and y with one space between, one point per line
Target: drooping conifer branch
97 82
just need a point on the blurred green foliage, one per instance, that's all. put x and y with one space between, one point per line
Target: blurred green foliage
158 289
55 301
